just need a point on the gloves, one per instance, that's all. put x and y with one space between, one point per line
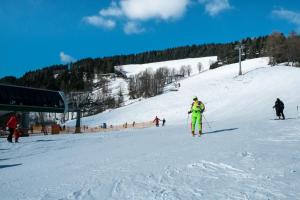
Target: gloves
189 112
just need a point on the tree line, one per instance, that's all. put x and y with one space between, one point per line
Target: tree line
282 49
80 75
150 83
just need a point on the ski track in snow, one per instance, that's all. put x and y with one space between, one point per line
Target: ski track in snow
191 182
195 181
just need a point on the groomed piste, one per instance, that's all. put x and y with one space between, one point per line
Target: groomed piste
246 154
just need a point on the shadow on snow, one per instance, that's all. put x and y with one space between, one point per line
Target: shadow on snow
3 159
6 166
288 118
45 140
221 130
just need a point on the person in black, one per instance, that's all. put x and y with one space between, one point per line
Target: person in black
164 121
279 107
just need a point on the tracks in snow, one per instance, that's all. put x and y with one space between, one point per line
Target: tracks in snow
204 179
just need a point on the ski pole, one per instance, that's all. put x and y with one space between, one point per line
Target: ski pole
187 122
207 122
298 112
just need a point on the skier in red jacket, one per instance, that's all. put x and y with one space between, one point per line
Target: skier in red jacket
156 121
11 124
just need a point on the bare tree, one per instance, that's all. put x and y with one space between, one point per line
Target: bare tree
104 87
199 66
120 97
189 70
172 74
160 78
276 46
293 48
42 122
183 70
146 83
132 87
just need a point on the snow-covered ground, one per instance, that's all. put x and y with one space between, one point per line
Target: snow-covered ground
205 62
114 86
244 155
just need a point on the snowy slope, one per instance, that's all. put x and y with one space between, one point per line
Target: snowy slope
219 89
173 64
245 155
114 86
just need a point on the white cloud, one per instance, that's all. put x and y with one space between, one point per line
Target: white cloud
131 13
288 15
133 28
151 9
214 7
64 58
100 22
112 11
135 11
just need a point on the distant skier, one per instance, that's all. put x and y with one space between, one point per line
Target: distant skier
163 122
11 125
156 121
197 109
279 107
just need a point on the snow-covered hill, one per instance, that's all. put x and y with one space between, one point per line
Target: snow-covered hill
205 63
225 95
244 155
115 84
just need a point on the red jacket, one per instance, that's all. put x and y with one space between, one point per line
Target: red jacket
12 122
156 120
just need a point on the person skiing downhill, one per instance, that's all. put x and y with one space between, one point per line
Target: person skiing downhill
279 107
197 109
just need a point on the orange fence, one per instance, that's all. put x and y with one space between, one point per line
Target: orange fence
87 129
55 129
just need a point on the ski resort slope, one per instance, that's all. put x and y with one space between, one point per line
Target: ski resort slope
224 94
205 63
245 154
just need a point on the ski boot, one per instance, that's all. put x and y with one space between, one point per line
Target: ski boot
200 133
9 140
193 133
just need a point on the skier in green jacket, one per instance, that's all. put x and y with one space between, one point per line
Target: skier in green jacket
197 109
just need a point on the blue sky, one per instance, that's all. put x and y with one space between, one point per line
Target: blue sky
39 33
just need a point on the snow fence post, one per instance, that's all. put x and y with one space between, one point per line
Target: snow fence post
77 129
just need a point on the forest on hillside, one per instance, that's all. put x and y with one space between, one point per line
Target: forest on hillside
78 76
